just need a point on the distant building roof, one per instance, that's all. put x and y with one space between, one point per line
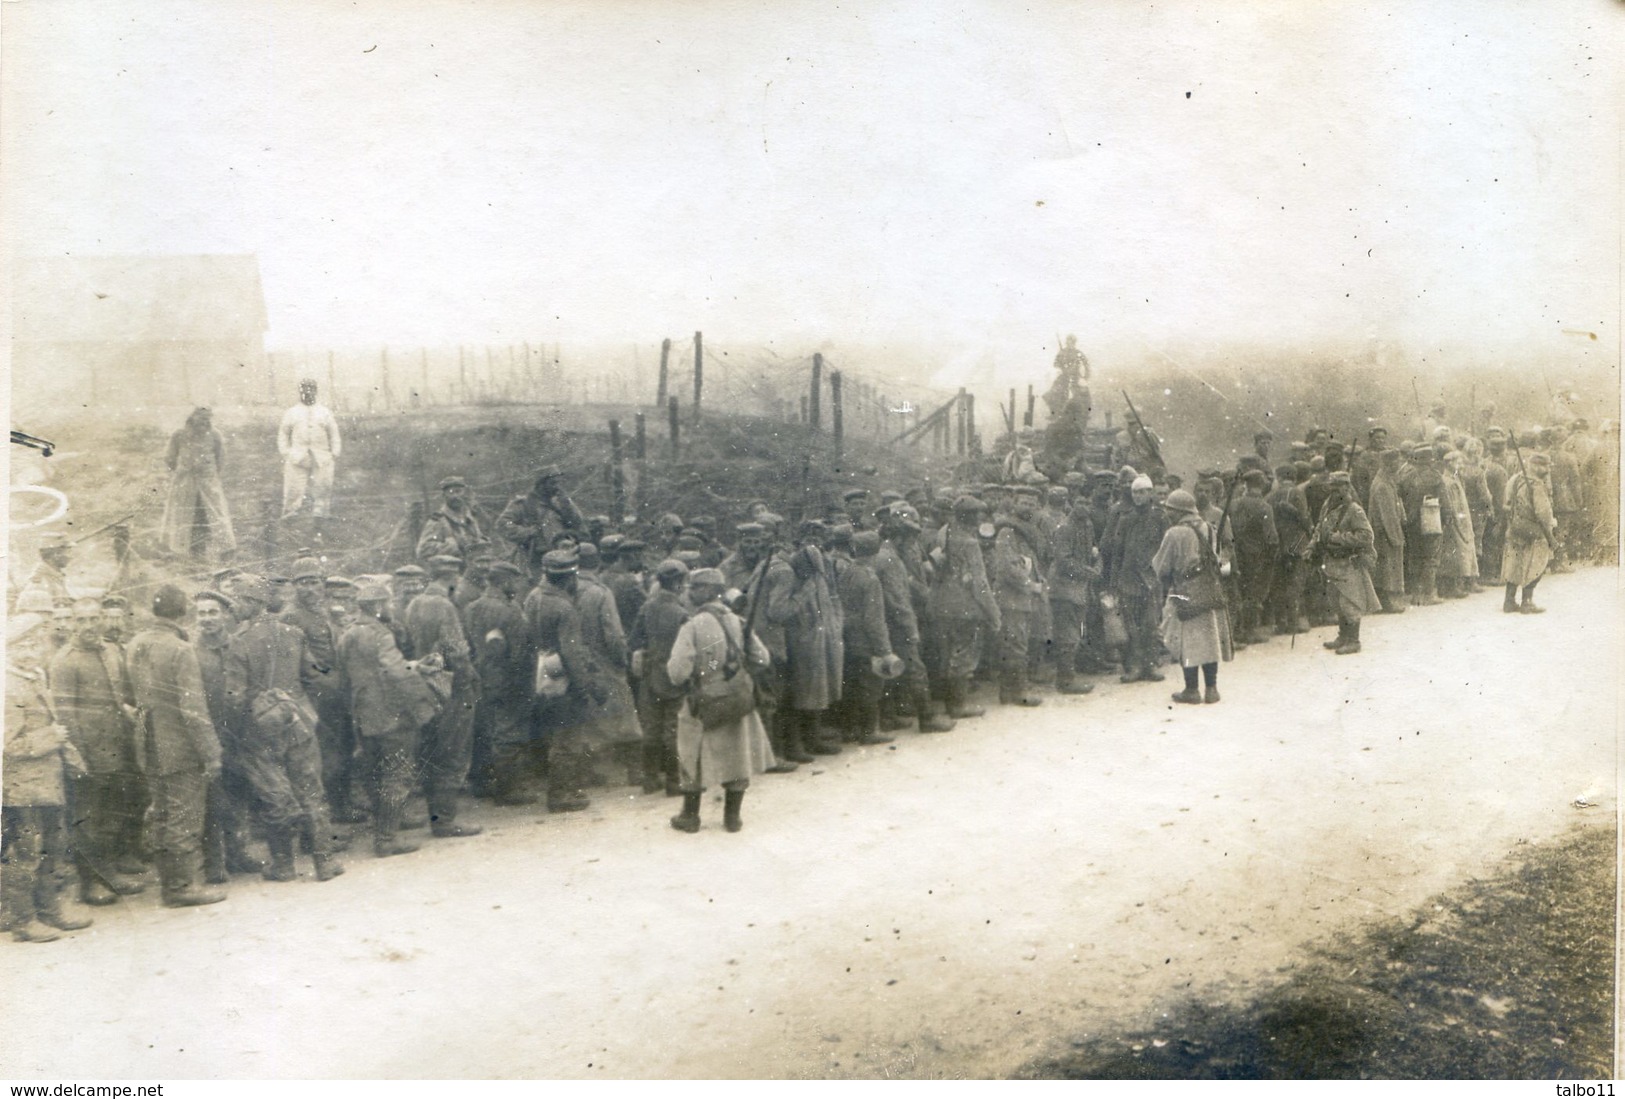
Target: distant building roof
137 299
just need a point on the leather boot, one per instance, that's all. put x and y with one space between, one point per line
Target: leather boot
653 780
179 890
52 915
731 801
94 891
33 932
1337 642
328 867
385 841
214 864
930 722
959 706
1509 605
443 819
1351 644
689 819
1190 695
794 749
238 860
280 841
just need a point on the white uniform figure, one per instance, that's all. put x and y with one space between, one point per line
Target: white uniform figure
309 442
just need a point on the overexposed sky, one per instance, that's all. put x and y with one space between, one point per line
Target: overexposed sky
977 173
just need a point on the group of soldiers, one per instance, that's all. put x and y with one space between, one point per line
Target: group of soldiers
529 656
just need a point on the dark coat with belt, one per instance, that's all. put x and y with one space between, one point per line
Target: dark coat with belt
90 689
168 687
864 632
386 693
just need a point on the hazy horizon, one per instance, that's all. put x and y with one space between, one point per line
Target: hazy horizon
972 177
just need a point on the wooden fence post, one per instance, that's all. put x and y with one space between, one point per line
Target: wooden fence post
617 476
959 419
665 358
672 425
815 394
640 451
699 372
1031 406
972 444
836 415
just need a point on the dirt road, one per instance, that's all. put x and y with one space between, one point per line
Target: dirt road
947 907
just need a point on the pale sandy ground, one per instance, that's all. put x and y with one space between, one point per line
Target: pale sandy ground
948 908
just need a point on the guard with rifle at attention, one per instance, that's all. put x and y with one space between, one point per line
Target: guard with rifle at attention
1531 531
1344 548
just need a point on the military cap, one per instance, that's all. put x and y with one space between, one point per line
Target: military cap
744 530
115 603
1181 501
598 520
841 534
1127 474
1317 463
670 519
969 505
33 602
689 542
908 515
632 545
1494 432
1105 477
1058 492
866 543
703 522
611 543
854 494
371 591
670 569
307 567
453 481
247 586
811 528
560 562
587 556
564 536
222 575
770 518
1256 477
1173 481
691 558
1339 477
442 562
500 569
891 496
707 576
1026 490
991 486
217 597
1207 474
410 570
1536 458
1378 428
549 471
339 583
1300 448
170 602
